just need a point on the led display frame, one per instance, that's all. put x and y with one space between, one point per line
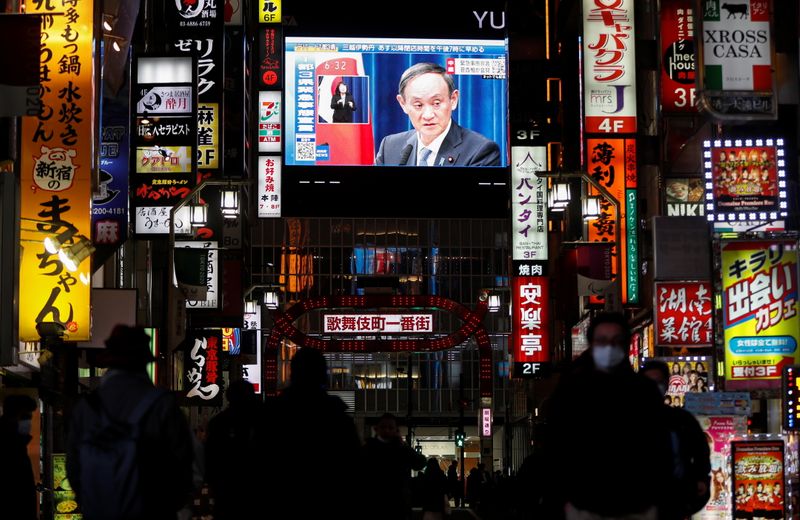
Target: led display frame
748 215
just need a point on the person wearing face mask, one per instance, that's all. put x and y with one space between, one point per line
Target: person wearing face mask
605 433
17 487
691 476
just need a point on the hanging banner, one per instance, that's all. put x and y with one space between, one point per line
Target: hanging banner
203 379
759 312
530 325
683 314
528 204
737 73
612 163
758 479
56 161
677 56
609 67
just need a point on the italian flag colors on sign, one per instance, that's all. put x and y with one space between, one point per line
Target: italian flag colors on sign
737 52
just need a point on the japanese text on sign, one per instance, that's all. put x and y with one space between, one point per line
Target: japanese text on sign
378 323
683 314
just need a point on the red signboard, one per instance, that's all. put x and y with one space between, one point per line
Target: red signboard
683 314
530 323
677 56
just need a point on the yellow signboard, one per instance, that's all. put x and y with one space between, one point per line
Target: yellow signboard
759 312
55 177
269 11
207 135
163 159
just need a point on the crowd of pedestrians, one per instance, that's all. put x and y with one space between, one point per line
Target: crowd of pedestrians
610 450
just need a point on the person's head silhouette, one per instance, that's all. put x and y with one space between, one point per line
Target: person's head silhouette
309 369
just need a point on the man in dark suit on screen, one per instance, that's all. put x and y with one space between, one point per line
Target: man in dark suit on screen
428 96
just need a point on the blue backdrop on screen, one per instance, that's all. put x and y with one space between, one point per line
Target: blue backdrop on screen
371 68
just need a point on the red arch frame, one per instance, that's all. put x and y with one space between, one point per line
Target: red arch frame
472 325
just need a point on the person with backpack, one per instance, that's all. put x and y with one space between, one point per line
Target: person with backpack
690 485
129 452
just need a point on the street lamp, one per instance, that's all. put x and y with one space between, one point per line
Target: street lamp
606 194
591 207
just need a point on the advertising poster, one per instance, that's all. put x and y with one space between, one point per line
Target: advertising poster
321 129
64 505
612 163
609 67
203 379
758 479
745 180
677 56
530 324
56 161
759 312
719 432
685 197
687 376
528 203
684 316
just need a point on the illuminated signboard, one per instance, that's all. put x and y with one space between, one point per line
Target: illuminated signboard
268 181
377 323
252 372
685 196
737 72
486 422
745 180
683 314
759 312
758 470
609 66
231 340
56 162
612 163
203 379
269 11
677 56
269 121
530 325
164 136
528 203
688 375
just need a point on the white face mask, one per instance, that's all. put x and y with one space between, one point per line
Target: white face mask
24 426
607 357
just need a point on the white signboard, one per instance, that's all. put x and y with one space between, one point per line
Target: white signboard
377 323
270 131
252 373
528 203
212 298
609 66
172 100
269 187
154 220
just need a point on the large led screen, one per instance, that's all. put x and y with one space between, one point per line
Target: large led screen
343 106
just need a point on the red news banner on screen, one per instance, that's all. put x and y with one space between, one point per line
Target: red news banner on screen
530 325
758 479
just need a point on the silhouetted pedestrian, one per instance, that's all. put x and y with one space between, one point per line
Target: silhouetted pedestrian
434 492
387 463
453 484
130 449
474 488
690 485
607 442
311 467
235 438
17 487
